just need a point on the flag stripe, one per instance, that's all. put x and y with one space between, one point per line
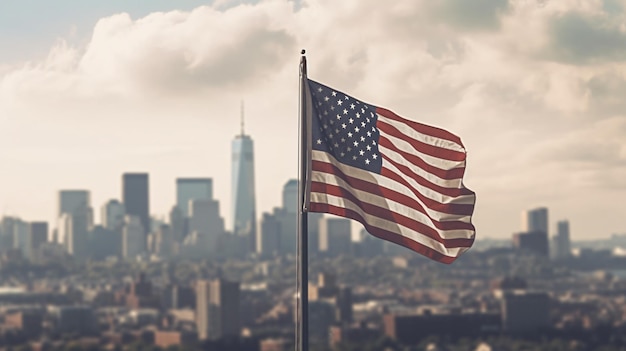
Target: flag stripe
390 200
421 128
419 146
371 182
448 247
420 137
386 234
443 173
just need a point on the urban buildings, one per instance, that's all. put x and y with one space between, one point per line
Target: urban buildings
535 220
112 215
133 237
188 189
72 200
243 190
335 236
136 197
562 246
217 309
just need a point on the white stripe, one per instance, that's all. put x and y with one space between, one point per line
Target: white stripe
396 157
424 138
429 193
392 184
384 224
394 206
405 146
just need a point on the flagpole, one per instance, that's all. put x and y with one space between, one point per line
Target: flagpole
302 308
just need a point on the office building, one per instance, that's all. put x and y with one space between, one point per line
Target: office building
335 236
188 189
112 215
205 221
105 243
268 238
74 231
243 190
535 220
532 242
290 196
136 197
133 238
217 309
21 240
72 200
37 236
524 311
163 241
562 247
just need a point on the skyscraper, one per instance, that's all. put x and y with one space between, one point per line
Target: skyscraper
335 236
72 200
243 194
535 220
37 236
113 213
217 309
290 196
192 189
136 197
133 238
562 242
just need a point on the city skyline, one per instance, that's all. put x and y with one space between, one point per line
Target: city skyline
542 118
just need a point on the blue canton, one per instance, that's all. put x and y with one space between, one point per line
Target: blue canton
345 128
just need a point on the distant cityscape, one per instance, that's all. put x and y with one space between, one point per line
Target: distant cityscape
135 282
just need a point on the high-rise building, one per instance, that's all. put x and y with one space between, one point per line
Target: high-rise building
133 237
112 214
205 220
72 200
535 220
243 193
192 189
268 238
37 236
75 229
217 309
335 236
562 247
21 239
290 196
532 242
136 197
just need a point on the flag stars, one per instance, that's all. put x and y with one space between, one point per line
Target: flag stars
319 89
319 141
352 106
369 148
334 93
356 144
326 98
361 152
362 138
339 102
356 129
374 156
343 126
367 161
369 134
351 120
345 112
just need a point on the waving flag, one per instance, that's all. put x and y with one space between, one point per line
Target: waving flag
401 179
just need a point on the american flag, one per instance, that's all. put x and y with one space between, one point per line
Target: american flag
401 179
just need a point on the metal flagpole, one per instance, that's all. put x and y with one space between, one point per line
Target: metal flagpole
302 306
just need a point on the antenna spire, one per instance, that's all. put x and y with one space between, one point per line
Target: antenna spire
242 119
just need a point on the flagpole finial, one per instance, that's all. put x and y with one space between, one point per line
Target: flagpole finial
302 52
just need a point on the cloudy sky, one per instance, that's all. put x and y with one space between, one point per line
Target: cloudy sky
535 89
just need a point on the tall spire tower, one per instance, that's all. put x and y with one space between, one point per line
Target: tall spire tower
243 190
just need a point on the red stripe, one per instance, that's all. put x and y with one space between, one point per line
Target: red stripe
382 233
407 172
422 147
422 128
391 216
454 173
460 209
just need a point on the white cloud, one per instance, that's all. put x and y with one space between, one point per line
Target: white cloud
526 98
